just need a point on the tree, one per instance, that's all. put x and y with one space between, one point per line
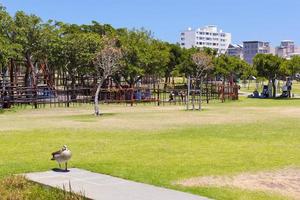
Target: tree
268 66
229 67
203 64
9 49
159 57
76 50
187 66
137 55
291 67
175 59
106 63
28 35
101 29
225 66
5 27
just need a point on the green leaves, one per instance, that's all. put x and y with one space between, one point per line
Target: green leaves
267 65
187 65
228 65
28 32
142 55
71 48
291 67
8 48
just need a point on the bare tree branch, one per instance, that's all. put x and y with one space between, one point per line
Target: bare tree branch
106 64
203 64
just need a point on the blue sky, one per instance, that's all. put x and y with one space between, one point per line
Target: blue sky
270 20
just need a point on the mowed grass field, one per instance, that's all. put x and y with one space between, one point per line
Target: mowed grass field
159 145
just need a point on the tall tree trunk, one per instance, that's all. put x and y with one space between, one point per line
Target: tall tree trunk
166 82
32 72
223 90
11 76
3 78
11 72
194 94
131 94
27 75
96 101
207 94
73 92
200 97
274 88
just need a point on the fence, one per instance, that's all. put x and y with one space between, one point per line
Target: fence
65 91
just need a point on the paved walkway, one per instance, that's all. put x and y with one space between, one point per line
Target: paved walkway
104 187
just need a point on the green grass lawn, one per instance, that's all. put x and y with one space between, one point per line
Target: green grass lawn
158 145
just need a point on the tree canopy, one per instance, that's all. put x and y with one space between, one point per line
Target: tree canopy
269 67
70 48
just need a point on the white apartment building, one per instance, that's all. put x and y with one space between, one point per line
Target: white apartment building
209 36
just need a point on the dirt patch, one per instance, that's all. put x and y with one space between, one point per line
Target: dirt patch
285 182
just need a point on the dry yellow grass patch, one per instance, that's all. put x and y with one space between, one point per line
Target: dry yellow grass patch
284 181
120 117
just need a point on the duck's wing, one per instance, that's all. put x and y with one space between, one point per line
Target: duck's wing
56 153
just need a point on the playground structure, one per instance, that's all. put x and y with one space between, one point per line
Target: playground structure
60 89
199 91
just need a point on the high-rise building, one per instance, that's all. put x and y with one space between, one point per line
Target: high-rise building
209 36
251 48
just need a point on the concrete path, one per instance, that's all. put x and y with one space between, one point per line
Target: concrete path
104 187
